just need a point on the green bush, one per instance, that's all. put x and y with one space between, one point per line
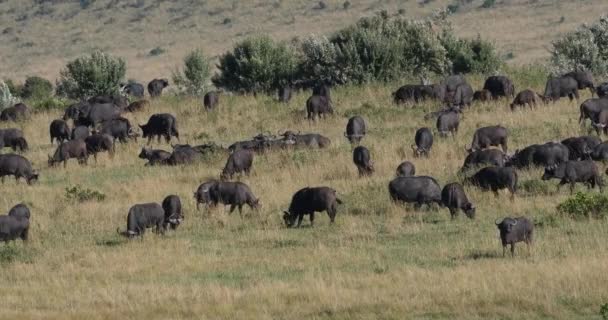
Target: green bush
257 64
471 56
79 194
97 74
6 98
319 61
585 205
50 103
583 49
36 88
194 77
604 311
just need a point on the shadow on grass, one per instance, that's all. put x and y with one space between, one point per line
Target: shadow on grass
111 242
477 255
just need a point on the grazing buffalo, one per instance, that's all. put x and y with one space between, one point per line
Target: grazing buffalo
591 108
154 157
424 142
415 93
454 198
490 136
59 131
93 114
499 86
584 79
406 169
17 166
99 143
600 122
482 95
235 194
146 215
258 144
139 105
526 97
284 94
80 133
172 205
575 171
307 201
463 96
600 152
239 161
322 90
202 193
318 106
17 112
419 190
133 89
544 155
355 129
580 148
160 124
495 178
448 123
119 129
602 90
183 156
121 102
560 87
16 224
72 149
309 140
13 138
156 86
491 157
363 161
211 100
513 230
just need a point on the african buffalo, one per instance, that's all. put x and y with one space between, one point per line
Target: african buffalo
17 112
310 140
59 131
16 224
495 178
600 152
448 123
93 114
513 230
156 86
13 138
580 148
121 102
363 161
490 136
99 143
139 105
154 157
415 93
172 205
406 169
575 171
499 86
67 150
146 215
584 79
239 161
591 108
492 157
119 129
454 198
235 194
419 190
424 142
307 201
211 100
548 154
133 89
160 124
202 193
482 95
526 97
463 96
560 87
318 106
80 133
355 129
18 166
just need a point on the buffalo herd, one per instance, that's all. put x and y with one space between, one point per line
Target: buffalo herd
98 124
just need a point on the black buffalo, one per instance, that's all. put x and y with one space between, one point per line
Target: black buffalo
544 155
363 161
17 166
99 143
13 138
448 123
119 129
355 129
482 95
454 198
80 133
584 79
72 149
491 157
235 194
419 190
93 114
424 142
307 201
17 112
591 108
495 178
172 205
560 87
202 193
59 131
572 172
499 86
600 152
156 86
154 157
318 106
309 140
513 230
16 224
119 101
133 89
139 105
144 216
239 161
463 96
602 90
160 124
211 100
415 93
526 97
580 148
490 136
406 169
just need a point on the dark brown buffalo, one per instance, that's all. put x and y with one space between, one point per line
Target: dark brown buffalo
239 161
211 100
499 86
139 105
160 124
318 106
71 149
17 166
156 86
307 201
526 98
59 131
17 112
513 230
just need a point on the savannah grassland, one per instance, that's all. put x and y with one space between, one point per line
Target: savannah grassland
379 260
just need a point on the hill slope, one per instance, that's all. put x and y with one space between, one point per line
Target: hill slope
38 37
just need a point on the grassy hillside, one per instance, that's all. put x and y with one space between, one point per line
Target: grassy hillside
379 260
38 37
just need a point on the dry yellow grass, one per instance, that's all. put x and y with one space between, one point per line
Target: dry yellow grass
38 38
378 261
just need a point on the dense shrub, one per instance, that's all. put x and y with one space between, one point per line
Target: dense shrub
193 78
604 311
50 103
36 88
583 49
257 64
320 61
471 56
6 98
585 205
97 74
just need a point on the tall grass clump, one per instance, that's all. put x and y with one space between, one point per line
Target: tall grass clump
97 74
193 78
257 64
583 49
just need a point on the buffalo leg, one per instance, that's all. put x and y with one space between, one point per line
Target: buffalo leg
312 219
453 213
504 250
149 140
240 206
232 207
300 218
65 163
572 184
512 250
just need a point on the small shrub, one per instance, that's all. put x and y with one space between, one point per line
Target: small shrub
585 205
346 5
604 311
36 88
227 21
257 64
322 5
194 77
97 74
6 98
488 4
48 104
79 194
156 52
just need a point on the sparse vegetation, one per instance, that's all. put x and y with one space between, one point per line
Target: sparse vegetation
79 194
585 205
194 77
97 74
